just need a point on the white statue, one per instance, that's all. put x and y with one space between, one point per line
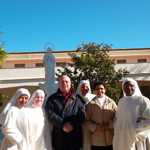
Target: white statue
49 62
49 86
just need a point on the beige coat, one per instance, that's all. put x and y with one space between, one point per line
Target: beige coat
96 115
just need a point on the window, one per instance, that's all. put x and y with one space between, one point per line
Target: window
145 90
142 60
39 65
121 61
19 65
61 64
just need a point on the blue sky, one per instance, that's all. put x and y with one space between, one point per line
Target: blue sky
28 24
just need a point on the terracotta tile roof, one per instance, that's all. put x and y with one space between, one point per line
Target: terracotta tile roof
40 52
35 52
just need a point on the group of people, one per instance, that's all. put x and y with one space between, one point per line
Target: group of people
77 121
24 122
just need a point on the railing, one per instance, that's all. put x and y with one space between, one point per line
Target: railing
39 73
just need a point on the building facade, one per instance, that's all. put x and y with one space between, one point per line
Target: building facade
26 69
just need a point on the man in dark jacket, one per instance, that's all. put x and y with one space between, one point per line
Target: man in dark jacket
66 113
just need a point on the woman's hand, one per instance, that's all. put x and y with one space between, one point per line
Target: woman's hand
102 127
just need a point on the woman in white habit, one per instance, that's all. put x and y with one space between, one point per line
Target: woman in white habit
132 122
84 91
39 131
14 122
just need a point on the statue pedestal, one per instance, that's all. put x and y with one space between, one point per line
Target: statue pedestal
49 88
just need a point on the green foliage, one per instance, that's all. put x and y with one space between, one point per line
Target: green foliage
2 97
3 53
91 61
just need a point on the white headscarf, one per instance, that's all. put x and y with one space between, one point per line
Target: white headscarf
79 87
33 95
13 101
137 90
89 96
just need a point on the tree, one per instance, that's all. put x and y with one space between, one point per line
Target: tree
2 96
3 53
91 61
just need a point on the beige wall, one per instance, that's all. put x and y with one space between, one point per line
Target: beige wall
131 56
130 59
29 63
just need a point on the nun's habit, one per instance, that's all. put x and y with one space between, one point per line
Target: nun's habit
132 120
39 132
15 124
87 98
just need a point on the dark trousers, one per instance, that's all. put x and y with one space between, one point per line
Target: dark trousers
102 147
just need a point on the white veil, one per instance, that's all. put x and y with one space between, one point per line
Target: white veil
80 84
13 101
137 90
33 95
